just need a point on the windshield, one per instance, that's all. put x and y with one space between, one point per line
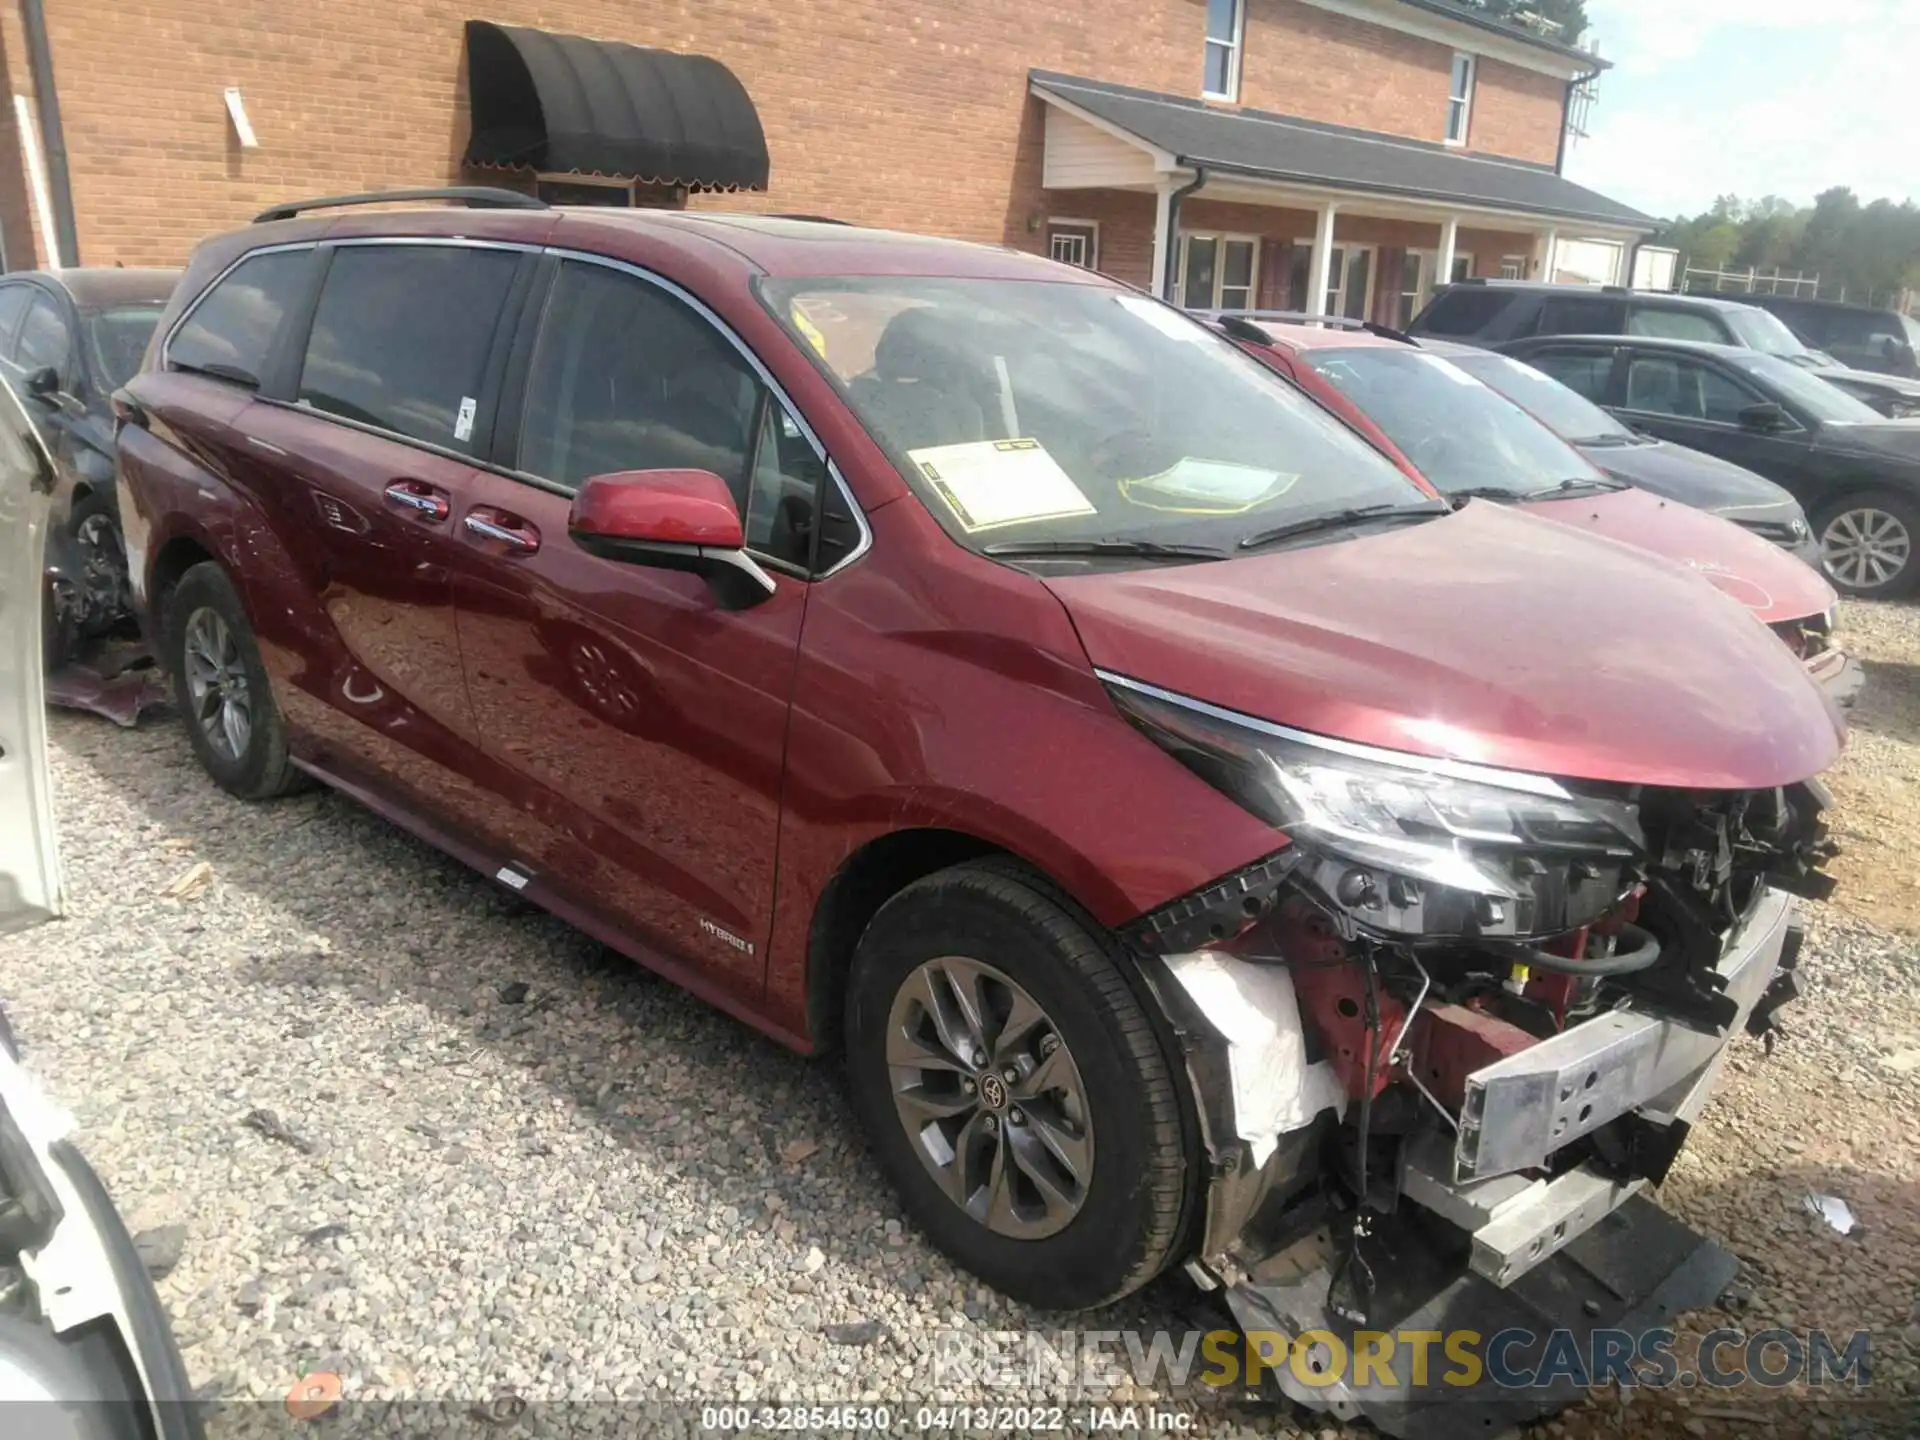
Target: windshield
117 341
1565 411
1461 434
1828 404
1764 331
1028 413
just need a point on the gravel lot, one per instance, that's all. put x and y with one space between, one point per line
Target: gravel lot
446 1147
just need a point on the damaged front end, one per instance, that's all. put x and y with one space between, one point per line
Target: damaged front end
1440 1044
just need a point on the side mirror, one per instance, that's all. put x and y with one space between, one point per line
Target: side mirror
1765 418
44 383
670 520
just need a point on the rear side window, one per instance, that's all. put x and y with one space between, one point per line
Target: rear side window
1658 323
1464 311
13 304
401 335
231 331
1580 315
1583 371
43 337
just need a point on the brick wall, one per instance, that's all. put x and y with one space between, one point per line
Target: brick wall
907 113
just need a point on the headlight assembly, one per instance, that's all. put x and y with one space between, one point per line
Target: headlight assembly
1404 843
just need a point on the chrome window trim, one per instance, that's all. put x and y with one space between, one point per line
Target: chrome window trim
1522 780
774 387
173 330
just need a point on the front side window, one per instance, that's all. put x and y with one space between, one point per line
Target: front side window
14 300
43 337
1658 323
1686 390
230 333
1461 434
1223 48
626 376
1766 332
1563 409
117 342
1465 310
401 335
1460 100
1035 413
1807 392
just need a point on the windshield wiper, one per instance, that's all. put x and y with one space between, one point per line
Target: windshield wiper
1337 519
220 371
1142 549
1487 492
1579 485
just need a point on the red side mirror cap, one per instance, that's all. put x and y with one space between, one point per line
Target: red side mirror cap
662 507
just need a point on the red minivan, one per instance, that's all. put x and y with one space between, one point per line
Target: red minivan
1204 846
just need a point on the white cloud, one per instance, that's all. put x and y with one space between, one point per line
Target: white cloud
1751 97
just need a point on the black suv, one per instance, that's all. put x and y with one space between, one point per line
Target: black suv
1493 312
68 339
1855 335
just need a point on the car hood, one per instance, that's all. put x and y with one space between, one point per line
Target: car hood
1897 440
1703 481
1491 635
1892 384
1762 577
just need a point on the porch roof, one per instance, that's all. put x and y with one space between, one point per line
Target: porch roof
1261 145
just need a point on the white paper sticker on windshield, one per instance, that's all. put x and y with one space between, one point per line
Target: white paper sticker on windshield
1164 318
1450 370
1207 487
463 423
1000 482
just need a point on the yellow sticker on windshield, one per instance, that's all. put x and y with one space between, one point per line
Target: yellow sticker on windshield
1207 487
1000 482
807 328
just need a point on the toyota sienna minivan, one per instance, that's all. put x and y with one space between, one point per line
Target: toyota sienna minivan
1203 846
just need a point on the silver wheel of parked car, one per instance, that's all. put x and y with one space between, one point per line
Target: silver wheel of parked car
1865 548
990 1097
217 690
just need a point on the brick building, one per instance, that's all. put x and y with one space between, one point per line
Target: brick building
1273 153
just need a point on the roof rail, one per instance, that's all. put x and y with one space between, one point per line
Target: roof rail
475 197
1284 317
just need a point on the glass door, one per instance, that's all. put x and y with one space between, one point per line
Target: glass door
1218 272
1349 280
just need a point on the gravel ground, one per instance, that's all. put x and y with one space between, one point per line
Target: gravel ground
440 1144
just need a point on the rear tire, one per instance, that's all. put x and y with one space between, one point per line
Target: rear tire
1870 544
221 687
1051 1161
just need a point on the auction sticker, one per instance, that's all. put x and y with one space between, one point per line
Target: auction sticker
1000 482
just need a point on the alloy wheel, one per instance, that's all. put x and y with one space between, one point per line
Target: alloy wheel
990 1097
1865 547
217 687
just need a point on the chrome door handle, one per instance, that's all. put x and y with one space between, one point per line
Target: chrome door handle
419 498
518 539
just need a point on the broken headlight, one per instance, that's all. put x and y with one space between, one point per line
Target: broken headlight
1404 843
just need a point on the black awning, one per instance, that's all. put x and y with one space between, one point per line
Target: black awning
564 103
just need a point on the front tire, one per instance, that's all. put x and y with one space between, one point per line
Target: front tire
1870 544
1014 1090
222 690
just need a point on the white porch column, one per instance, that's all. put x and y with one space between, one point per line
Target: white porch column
1322 260
1449 244
1163 240
1549 243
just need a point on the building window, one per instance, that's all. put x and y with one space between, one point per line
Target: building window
1074 242
1349 281
1217 272
1460 100
1416 279
1225 19
609 190
1513 267
1462 266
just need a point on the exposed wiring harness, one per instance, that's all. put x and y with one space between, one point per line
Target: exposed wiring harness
1644 955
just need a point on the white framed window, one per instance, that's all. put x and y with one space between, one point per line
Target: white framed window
1416 284
1218 272
1350 280
1513 267
1462 265
1460 99
1226 28
1074 242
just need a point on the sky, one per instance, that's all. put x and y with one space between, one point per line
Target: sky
1752 98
